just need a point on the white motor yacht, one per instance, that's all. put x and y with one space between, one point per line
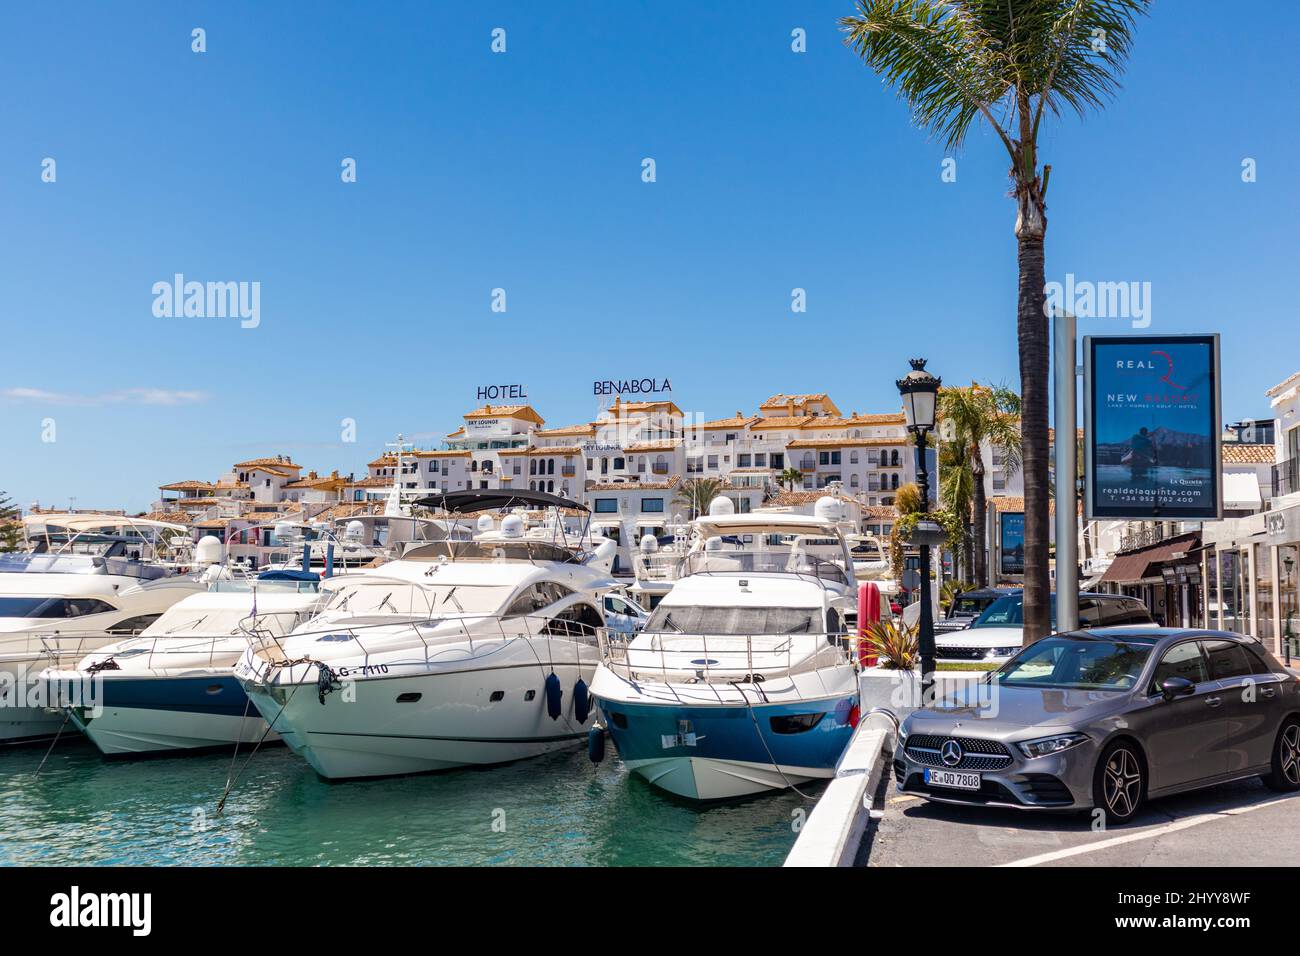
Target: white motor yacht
744 678
458 653
172 688
87 581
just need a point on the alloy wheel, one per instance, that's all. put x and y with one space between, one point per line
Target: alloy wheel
1289 747
1122 783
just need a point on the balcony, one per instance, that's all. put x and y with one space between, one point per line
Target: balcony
568 471
659 469
1286 478
1142 538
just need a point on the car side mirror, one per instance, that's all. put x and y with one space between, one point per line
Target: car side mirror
1172 687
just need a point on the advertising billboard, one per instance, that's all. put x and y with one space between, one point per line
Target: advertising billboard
1153 427
1011 538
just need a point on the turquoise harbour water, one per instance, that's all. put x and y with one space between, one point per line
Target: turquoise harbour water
555 810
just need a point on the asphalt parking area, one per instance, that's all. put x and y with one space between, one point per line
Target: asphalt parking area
1237 824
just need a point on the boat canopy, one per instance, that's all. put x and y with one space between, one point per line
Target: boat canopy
84 522
488 499
712 526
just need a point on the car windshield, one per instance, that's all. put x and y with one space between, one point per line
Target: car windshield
1076 663
1008 611
971 606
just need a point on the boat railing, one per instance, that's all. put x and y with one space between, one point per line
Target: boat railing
454 632
718 658
657 566
777 562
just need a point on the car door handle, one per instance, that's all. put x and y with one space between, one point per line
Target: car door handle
1213 701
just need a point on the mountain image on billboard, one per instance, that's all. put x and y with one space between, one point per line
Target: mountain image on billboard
1155 428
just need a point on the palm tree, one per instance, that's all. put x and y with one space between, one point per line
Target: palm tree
973 417
697 494
11 529
1008 62
790 478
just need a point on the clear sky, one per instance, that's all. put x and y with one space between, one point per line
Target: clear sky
523 171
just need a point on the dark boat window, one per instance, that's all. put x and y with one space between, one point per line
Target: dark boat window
408 698
529 694
618 720
796 723
496 696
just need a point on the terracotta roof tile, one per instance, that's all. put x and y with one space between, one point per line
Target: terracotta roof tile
1248 454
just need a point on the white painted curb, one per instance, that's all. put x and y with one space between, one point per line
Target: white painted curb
833 832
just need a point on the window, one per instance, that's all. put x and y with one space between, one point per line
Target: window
1227 659
853 457
618 464
778 460
824 458
713 462
1122 612
1181 660
535 598
52 607
606 506
652 505
433 466
744 461
133 625
795 723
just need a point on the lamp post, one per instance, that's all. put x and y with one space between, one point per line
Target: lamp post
920 390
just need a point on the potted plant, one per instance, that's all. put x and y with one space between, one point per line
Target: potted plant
894 682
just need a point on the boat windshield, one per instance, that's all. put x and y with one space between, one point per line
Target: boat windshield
1077 663
695 619
380 597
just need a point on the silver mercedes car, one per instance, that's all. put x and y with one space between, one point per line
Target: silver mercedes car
1108 718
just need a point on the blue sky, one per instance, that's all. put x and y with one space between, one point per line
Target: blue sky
522 170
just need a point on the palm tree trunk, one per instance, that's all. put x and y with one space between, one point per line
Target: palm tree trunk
980 523
1032 334
968 552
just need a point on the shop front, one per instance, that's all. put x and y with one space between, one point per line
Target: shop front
1166 576
1251 566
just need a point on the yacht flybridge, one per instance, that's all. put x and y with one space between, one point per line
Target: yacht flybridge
744 679
457 653
87 580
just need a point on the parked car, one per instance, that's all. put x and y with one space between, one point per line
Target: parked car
623 614
999 631
967 606
1109 718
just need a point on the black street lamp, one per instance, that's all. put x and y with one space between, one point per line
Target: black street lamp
920 390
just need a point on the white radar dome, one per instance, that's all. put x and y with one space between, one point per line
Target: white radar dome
721 505
208 550
485 523
512 526
649 543
829 508
354 530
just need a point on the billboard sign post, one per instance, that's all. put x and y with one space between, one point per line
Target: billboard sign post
1153 427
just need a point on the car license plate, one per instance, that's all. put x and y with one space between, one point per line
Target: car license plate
951 778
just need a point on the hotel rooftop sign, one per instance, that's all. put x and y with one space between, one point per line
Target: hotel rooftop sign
494 393
632 386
